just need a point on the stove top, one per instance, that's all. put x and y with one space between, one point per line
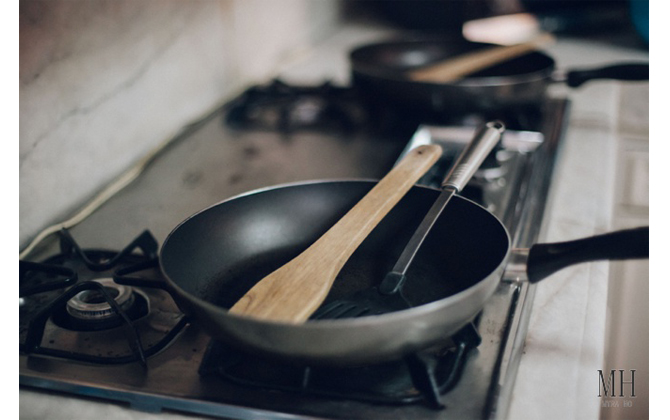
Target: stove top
83 333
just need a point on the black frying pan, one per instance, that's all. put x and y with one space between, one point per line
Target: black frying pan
379 71
215 256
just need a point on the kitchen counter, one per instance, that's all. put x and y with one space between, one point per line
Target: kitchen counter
566 340
557 374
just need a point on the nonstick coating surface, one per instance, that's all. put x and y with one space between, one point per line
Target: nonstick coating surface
214 257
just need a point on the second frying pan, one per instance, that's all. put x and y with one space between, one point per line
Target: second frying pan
380 73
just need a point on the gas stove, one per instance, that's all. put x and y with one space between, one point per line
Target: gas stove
91 326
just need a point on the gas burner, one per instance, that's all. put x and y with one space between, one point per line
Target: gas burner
494 167
286 108
70 306
89 310
90 305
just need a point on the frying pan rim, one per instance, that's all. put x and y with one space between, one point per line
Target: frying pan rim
491 81
413 312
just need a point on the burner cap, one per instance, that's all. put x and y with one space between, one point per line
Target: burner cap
90 305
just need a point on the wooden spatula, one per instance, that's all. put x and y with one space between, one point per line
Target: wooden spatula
455 68
294 291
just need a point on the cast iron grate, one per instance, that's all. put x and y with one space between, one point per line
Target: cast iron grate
46 327
418 378
286 108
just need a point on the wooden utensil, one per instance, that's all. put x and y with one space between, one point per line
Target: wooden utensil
387 296
294 291
456 68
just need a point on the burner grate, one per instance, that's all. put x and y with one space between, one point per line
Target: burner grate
286 108
109 322
418 378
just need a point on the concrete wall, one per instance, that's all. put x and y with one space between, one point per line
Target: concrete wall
103 82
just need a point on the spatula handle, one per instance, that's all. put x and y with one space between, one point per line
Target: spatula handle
454 68
345 236
467 163
474 154
294 291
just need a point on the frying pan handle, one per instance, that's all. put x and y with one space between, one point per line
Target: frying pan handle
546 259
631 71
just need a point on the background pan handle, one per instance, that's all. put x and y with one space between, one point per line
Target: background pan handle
630 72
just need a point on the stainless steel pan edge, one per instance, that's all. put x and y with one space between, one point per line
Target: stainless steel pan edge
343 341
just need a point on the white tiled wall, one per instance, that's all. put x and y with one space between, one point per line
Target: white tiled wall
103 82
